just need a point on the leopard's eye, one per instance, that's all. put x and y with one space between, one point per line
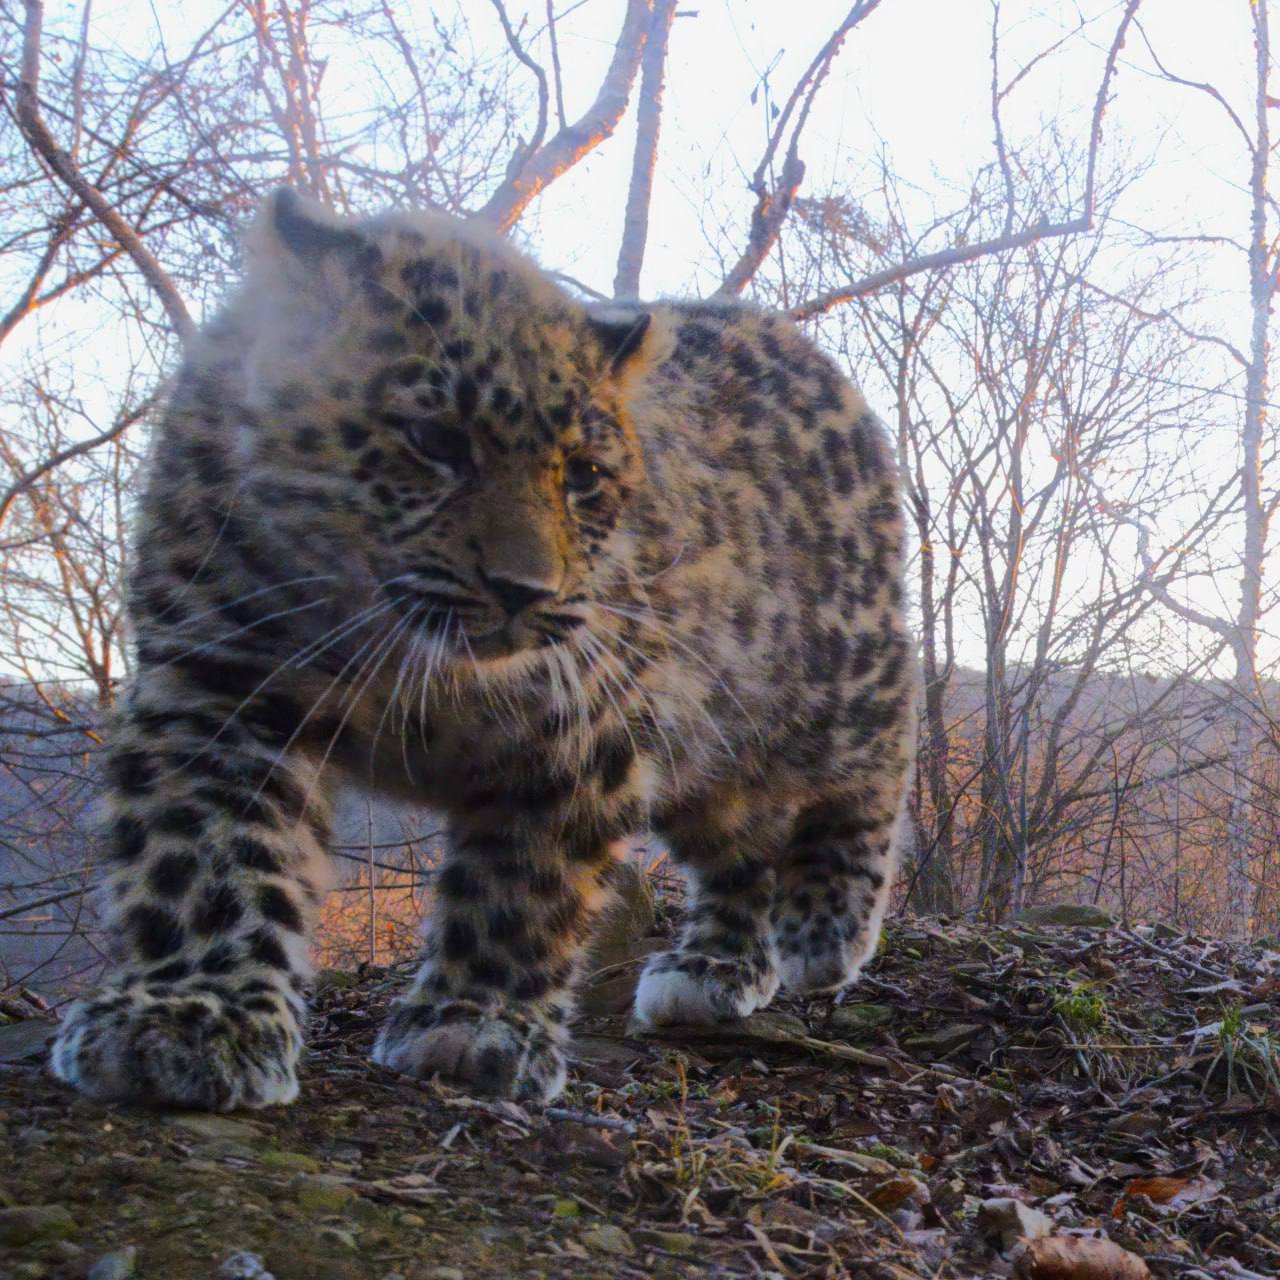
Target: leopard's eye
583 475
445 446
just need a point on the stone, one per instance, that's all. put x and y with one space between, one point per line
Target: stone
211 1126
676 1242
338 1235
26 1039
854 1018
609 1239
244 1266
607 1051
937 1044
1008 1221
772 1026
35 1224
1068 915
294 1160
367 1213
223 1149
119 1264
320 1194
443 1273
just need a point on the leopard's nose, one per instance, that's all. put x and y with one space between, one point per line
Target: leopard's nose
514 595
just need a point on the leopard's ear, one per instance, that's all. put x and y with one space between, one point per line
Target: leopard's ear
627 338
291 230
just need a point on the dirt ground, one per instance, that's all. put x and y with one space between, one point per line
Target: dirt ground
987 1102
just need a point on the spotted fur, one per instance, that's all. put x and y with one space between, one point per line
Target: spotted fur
417 518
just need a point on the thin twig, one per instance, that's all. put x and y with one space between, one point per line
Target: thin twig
589 1119
1043 230
31 122
533 169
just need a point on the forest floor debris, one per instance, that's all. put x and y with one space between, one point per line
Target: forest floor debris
1042 1101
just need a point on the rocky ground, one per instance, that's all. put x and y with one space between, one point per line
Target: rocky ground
1050 1100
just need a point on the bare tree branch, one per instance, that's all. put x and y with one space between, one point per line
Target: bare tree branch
773 204
522 55
1201 87
1044 230
28 299
1164 316
533 170
25 481
635 226
555 62
31 122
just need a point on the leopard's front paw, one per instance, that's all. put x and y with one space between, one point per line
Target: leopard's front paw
180 1048
501 1053
695 989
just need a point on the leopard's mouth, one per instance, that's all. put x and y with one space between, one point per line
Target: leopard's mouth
516 635
466 626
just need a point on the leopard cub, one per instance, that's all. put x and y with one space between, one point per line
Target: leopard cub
418 519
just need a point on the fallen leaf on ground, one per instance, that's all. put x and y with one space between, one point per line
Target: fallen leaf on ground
1078 1258
1169 1194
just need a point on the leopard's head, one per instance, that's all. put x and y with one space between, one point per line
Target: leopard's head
445 414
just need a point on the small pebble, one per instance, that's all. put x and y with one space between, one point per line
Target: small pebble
320 1194
339 1236
609 1239
669 1241
211 1126
35 1223
244 1266
119 1264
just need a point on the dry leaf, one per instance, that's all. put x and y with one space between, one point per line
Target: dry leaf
1078 1258
895 1192
1171 1194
